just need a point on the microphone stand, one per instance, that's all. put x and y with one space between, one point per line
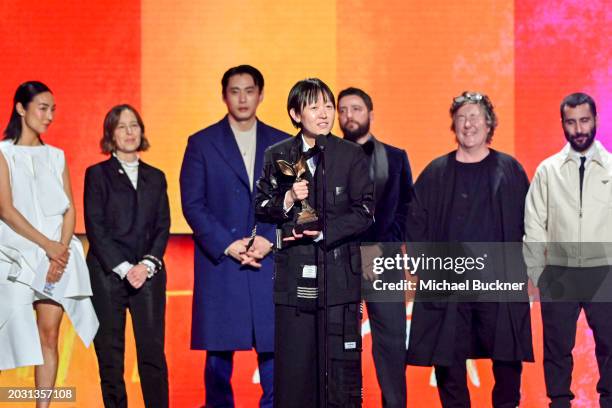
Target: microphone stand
321 139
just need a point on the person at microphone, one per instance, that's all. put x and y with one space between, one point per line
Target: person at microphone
317 264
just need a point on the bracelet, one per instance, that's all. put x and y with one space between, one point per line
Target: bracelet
150 270
159 265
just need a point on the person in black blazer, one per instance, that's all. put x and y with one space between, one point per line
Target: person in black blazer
302 309
127 219
390 170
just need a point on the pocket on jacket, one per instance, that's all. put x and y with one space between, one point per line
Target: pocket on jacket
602 194
337 195
355 259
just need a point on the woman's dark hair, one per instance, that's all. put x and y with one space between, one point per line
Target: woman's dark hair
24 95
305 92
107 144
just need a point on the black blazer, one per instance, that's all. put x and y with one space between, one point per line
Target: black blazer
432 330
123 223
349 207
393 191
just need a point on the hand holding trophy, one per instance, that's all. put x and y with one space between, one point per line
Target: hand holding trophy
307 219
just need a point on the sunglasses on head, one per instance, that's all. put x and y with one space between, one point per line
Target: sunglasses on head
468 96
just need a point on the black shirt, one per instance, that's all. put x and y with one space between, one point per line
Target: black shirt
472 218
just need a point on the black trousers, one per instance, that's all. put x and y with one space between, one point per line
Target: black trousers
475 329
559 320
299 367
111 298
388 326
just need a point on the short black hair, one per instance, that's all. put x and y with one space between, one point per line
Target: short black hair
360 93
239 70
24 94
576 99
307 91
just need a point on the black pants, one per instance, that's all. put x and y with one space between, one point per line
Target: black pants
147 305
475 330
388 325
299 367
559 321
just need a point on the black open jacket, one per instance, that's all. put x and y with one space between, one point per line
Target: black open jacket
432 330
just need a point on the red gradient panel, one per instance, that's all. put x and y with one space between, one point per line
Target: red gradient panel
88 53
561 48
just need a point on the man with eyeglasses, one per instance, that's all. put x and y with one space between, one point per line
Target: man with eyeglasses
568 230
472 194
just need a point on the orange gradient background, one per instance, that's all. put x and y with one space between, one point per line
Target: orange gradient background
167 58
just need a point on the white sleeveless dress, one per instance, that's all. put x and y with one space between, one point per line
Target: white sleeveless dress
38 194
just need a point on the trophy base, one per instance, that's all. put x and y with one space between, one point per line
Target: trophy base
313 224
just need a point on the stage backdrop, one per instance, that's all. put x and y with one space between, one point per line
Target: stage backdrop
167 58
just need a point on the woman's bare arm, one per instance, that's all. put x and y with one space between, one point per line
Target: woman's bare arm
17 222
70 215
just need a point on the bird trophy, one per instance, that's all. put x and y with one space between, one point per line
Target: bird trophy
307 218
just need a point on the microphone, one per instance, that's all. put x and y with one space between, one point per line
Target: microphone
321 141
319 147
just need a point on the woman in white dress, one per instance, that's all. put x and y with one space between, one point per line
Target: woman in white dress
41 262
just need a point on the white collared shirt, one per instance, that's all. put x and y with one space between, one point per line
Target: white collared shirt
312 167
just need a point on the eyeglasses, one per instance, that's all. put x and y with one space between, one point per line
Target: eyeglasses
469 97
124 128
